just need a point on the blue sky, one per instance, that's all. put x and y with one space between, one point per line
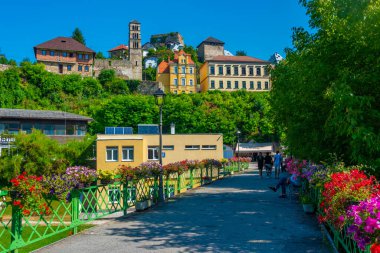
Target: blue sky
259 27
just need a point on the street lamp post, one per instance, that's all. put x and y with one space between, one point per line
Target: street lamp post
159 96
238 146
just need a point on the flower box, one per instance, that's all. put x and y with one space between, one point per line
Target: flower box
141 205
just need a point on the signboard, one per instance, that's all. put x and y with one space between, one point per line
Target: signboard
163 154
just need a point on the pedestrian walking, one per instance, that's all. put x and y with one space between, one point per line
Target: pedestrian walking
268 164
260 163
277 164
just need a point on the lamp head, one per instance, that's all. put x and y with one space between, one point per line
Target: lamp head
159 96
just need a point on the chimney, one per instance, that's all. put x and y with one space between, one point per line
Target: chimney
172 128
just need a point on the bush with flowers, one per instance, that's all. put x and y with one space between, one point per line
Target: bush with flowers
84 175
29 194
127 173
364 220
194 164
151 169
209 163
341 190
59 185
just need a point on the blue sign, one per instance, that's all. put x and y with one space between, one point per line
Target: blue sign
163 154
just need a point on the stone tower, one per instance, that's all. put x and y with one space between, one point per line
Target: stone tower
135 50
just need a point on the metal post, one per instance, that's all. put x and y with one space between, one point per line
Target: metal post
161 196
238 154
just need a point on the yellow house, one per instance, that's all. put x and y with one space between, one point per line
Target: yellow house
178 76
134 149
230 73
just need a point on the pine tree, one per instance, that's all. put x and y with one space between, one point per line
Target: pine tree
78 36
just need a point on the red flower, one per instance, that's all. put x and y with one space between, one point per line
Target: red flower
26 212
17 202
375 248
15 182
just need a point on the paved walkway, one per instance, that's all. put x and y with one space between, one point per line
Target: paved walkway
237 214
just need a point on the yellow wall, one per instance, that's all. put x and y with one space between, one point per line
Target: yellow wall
141 143
206 78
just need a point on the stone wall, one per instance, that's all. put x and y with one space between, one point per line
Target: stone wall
123 68
211 50
4 67
148 87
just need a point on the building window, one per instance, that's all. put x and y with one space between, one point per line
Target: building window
220 69
212 70
251 85
68 67
183 81
43 52
192 147
183 70
80 56
259 85
52 53
86 68
191 82
258 71
86 57
236 84
175 92
114 195
250 71
212 84
168 147
64 54
228 84
112 154
209 147
228 70
80 68
175 81
175 70
71 55
266 72
266 85
191 70
244 84
127 154
152 153
236 70
220 84
243 70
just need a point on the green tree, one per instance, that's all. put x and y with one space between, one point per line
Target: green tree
240 53
99 55
78 36
149 74
325 92
106 76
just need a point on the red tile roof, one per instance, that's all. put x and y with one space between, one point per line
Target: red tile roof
64 44
163 67
224 58
181 52
119 47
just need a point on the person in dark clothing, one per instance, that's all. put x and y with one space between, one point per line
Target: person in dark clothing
268 164
260 164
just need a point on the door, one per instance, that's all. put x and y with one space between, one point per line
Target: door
60 68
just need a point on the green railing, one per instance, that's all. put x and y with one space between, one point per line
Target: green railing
340 238
85 205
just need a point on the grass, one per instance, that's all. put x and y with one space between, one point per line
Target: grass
6 237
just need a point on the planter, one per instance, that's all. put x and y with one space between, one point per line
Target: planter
232 172
308 208
141 205
106 181
149 203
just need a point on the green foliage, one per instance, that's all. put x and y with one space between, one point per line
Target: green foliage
133 85
241 53
162 53
78 36
326 93
213 112
11 91
37 154
99 55
106 76
150 74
